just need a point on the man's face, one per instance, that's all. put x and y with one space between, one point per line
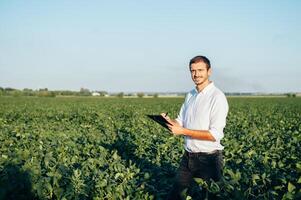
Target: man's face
199 73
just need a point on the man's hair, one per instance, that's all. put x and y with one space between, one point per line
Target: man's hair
198 59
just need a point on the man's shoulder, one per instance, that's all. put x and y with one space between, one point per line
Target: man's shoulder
218 94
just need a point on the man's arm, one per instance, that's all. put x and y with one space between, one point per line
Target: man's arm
177 129
199 134
196 134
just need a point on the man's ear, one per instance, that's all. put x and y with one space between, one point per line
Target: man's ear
209 71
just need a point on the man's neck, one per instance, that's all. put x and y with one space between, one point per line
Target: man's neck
203 85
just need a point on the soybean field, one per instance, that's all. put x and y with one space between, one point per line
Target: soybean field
106 148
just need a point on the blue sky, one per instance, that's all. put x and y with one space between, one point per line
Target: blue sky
131 46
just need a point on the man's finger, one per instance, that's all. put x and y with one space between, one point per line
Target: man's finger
165 117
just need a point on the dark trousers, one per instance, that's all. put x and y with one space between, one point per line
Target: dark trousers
196 165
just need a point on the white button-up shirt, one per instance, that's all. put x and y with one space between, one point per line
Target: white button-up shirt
205 110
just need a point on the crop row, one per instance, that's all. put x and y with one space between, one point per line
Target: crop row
93 148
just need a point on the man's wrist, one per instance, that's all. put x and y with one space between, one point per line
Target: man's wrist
184 131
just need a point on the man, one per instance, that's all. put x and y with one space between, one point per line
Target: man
201 120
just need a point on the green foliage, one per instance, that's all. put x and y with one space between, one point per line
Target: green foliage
291 95
16 93
28 92
120 95
140 94
46 93
84 92
87 148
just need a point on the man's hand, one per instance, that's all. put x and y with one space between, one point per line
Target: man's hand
164 115
176 129
174 126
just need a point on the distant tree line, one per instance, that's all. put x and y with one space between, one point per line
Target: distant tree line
290 95
44 92
259 94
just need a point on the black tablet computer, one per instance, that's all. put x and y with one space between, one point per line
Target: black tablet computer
160 120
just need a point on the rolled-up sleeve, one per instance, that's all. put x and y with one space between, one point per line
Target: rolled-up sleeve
218 117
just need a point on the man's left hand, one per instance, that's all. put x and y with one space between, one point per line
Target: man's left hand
176 130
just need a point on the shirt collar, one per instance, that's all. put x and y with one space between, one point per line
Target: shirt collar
206 89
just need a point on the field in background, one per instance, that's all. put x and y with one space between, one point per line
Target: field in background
85 148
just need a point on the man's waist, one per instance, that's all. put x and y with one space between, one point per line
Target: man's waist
195 154
195 145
